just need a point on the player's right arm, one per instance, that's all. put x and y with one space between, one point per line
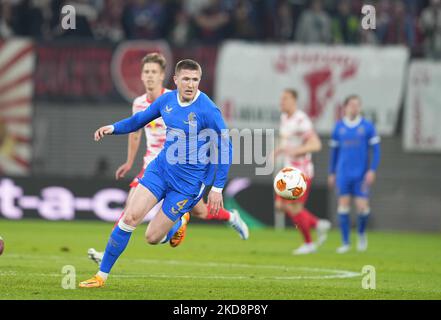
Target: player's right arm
133 123
334 150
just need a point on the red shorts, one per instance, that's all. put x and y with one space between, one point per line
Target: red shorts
135 181
302 199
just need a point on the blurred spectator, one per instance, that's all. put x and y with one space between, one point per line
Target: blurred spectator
28 19
181 32
213 23
109 21
284 22
194 7
245 20
398 27
368 37
144 19
314 25
345 25
431 27
5 20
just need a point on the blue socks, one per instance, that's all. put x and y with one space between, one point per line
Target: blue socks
345 226
362 222
117 243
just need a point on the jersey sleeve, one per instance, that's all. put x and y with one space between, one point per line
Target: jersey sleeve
216 122
374 143
374 138
139 119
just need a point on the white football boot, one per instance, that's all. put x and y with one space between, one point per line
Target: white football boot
305 248
343 249
95 256
362 243
238 224
322 228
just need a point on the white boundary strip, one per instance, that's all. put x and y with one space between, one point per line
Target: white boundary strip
329 273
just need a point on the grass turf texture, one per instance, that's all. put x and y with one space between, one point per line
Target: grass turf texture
213 263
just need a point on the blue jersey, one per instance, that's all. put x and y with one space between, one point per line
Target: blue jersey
350 144
191 152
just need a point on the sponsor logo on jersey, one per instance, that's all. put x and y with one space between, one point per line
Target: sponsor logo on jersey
191 119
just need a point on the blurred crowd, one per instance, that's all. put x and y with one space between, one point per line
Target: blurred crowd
414 23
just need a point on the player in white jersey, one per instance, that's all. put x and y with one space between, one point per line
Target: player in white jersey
298 140
152 76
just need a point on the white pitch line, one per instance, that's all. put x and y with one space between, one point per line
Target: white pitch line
210 277
334 273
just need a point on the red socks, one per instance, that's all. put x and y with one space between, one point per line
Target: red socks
312 219
223 215
305 221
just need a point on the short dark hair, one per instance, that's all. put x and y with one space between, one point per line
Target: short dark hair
350 97
154 57
292 92
187 64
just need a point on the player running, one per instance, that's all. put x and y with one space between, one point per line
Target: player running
153 67
197 144
298 140
350 169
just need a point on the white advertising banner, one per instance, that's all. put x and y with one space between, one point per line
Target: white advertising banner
251 77
422 113
17 65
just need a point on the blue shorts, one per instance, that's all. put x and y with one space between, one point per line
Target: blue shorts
352 187
176 203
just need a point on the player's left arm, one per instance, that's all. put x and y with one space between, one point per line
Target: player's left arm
224 157
374 146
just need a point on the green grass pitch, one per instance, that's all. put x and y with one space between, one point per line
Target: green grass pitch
213 263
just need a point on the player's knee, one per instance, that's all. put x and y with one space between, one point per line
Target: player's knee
344 201
279 206
343 209
295 209
198 213
130 220
364 210
152 238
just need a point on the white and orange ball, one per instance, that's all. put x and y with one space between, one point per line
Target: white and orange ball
290 183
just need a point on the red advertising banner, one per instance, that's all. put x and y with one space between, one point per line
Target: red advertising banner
103 72
74 71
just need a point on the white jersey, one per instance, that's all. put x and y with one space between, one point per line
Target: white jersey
155 131
294 131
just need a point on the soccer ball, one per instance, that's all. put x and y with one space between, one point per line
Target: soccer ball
290 183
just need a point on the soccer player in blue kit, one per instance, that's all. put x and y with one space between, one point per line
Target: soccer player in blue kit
197 144
352 169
